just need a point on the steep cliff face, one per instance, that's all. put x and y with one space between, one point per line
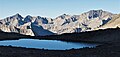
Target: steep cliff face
62 24
40 31
114 23
87 21
16 24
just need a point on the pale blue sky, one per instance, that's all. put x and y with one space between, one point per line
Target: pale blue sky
53 8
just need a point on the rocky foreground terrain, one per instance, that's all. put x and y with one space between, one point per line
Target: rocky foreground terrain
110 40
41 26
108 50
10 36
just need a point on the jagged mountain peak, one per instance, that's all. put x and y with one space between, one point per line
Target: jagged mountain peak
62 24
28 18
17 16
92 14
63 16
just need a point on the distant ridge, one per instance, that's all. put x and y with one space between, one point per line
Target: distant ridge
88 21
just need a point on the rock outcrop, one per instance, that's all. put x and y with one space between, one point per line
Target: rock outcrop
62 24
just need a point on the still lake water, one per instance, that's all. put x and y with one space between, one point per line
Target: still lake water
46 44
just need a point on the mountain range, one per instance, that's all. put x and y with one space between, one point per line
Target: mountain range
42 26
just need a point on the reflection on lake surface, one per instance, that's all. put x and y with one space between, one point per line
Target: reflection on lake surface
46 44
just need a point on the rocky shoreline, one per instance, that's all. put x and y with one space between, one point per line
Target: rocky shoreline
107 50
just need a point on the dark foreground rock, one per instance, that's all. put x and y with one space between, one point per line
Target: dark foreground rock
11 36
110 48
103 36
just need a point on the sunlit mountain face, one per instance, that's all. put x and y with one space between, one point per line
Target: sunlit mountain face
41 26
